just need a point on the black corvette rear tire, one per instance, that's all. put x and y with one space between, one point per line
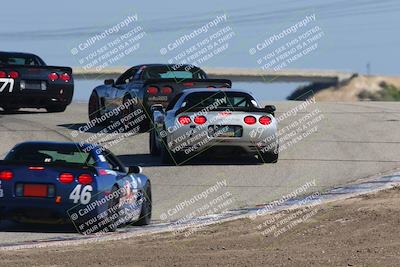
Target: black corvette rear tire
53 109
154 150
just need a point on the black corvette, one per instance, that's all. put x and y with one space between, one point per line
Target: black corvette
27 82
142 86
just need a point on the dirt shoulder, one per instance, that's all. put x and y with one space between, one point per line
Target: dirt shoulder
361 231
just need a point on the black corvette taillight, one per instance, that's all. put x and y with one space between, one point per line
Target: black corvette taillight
53 76
13 74
65 77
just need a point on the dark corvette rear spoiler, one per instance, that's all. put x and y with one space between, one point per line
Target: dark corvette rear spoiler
188 83
16 67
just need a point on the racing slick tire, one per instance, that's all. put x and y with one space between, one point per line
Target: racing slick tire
113 211
54 109
154 150
8 110
145 212
94 107
268 157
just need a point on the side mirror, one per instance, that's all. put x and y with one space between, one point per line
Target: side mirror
270 109
109 82
135 169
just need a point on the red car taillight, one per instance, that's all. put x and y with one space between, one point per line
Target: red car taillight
152 90
6 175
85 179
166 90
13 74
35 168
200 119
66 178
53 76
184 120
65 77
265 120
249 120
3 74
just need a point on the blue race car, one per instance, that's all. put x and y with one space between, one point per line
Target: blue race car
86 185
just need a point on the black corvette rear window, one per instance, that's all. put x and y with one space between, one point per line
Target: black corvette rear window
19 60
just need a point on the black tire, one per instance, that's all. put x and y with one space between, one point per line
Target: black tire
10 110
53 109
268 157
154 150
145 212
113 211
94 107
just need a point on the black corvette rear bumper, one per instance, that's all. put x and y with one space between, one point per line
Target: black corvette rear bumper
55 95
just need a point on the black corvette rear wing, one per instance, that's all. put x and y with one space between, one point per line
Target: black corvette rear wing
191 83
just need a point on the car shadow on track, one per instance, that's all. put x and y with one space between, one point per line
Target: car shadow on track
22 112
82 126
9 226
146 160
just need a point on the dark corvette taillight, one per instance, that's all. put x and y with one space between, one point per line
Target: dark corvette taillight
65 77
6 175
13 74
85 179
53 76
152 90
166 90
66 178
3 74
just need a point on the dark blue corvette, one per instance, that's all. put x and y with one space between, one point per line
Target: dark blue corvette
48 182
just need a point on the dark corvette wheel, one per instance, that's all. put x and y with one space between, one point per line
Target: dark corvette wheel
94 107
154 150
52 109
113 210
145 213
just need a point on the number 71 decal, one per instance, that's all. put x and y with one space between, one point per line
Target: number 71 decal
7 81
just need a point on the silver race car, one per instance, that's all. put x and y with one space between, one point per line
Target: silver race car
222 121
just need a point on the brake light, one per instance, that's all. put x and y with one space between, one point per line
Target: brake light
166 90
188 84
200 119
265 120
66 178
184 120
13 74
34 168
6 175
152 90
250 120
3 74
53 76
224 113
65 77
85 179
211 87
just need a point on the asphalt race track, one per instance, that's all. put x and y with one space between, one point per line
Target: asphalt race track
352 141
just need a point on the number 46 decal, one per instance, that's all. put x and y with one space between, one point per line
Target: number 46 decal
82 195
